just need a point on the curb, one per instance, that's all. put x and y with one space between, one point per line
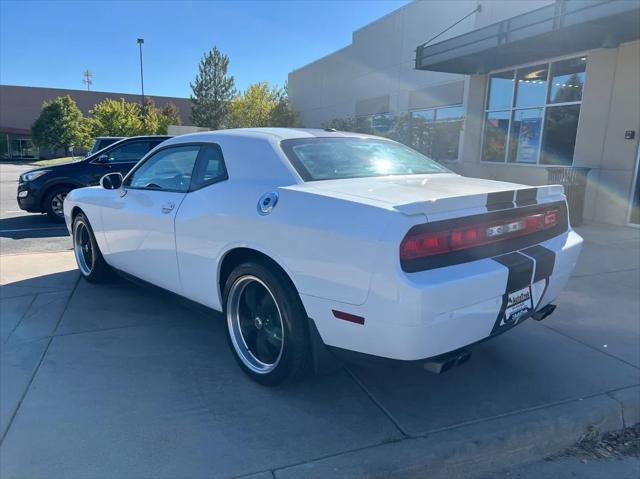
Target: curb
485 446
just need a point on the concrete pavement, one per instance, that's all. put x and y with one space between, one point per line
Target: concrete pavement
125 381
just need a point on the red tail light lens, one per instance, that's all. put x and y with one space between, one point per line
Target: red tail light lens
423 244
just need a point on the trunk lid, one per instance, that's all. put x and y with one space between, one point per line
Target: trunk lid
431 194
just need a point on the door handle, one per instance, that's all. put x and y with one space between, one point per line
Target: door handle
168 207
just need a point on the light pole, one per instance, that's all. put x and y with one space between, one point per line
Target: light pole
140 42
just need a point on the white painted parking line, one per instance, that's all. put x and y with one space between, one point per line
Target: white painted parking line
34 229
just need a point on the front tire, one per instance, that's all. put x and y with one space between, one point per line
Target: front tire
267 325
90 262
54 201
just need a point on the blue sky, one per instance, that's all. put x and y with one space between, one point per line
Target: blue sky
50 43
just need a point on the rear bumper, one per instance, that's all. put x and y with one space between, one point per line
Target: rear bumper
425 314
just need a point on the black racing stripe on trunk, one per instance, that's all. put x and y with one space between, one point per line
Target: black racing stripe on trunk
520 273
545 261
527 197
499 200
520 270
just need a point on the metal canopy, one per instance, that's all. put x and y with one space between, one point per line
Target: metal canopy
567 26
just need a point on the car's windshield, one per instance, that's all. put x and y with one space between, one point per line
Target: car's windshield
336 158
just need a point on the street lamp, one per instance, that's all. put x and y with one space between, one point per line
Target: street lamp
140 42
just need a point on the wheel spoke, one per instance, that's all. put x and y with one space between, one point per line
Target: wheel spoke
251 297
263 351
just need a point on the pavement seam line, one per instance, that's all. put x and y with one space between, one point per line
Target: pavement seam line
33 300
602 273
37 368
375 401
606 353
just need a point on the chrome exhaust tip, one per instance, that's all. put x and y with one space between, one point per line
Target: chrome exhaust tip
544 312
444 363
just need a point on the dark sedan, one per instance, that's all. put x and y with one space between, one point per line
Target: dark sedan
43 190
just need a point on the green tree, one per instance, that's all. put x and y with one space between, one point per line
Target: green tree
60 125
150 116
116 118
169 115
212 90
282 114
261 105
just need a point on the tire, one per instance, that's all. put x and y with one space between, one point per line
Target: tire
275 348
90 262
53 202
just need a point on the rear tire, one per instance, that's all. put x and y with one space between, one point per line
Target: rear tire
267 326
53 202
90 262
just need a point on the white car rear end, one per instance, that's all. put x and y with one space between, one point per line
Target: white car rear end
424 304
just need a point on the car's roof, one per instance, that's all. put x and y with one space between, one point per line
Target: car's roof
277 134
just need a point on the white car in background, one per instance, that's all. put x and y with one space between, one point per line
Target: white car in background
313 238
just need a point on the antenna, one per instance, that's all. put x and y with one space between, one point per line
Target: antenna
88 79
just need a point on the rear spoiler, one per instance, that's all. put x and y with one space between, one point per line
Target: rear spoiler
493 201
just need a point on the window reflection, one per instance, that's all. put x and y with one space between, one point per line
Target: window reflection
533 113
560 129
436 131
525 135
567 80
531 86
495 135
501 90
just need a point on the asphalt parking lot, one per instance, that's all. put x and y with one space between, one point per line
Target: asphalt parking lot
22 232
126 381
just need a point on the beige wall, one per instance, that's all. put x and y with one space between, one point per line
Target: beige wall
20 105
380 60
378 63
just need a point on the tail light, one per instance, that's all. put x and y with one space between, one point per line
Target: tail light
423 244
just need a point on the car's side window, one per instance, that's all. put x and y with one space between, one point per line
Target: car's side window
210 167
170 169
129 152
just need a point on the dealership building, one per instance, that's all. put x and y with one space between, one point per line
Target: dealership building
531 92
20 106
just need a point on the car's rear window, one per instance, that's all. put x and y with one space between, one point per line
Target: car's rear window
336 158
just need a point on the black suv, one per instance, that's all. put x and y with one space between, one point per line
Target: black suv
43 190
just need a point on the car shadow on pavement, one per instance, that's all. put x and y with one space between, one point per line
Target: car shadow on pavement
31 226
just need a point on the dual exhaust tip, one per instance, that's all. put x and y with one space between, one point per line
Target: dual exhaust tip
445 362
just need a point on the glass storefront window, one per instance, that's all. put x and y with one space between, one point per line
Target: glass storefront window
436 131
496 127
381 123
526 129
531 86
501 90
560 129
538 118
17 146
567 80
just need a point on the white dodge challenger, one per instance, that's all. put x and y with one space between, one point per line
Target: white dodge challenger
312 238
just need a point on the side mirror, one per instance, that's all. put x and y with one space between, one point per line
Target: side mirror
111 181
103 159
